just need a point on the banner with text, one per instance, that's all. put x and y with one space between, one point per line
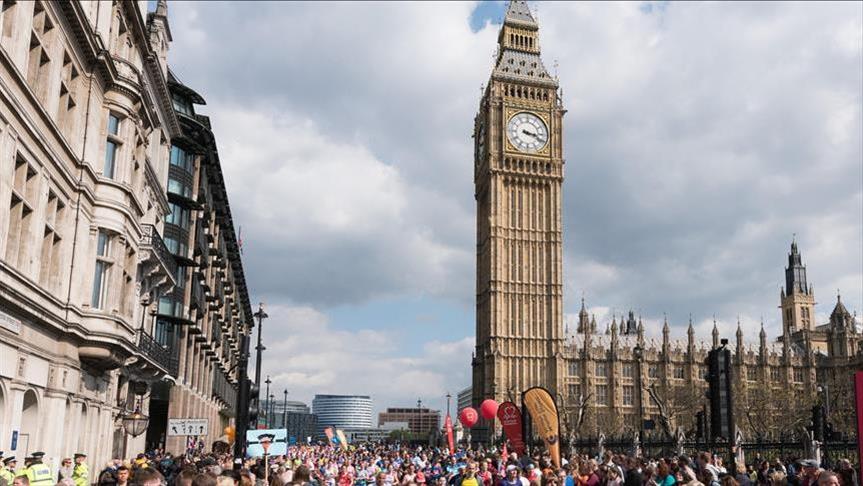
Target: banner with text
543 413
510 419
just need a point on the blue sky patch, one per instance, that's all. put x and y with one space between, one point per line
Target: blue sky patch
487 10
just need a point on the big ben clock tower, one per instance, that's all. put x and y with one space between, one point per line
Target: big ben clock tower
518 176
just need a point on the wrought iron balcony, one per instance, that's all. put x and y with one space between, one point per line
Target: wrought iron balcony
165 358
158 264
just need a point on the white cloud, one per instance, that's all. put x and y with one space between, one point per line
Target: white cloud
309 356
699 138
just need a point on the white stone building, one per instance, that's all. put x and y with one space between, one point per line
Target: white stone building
86 123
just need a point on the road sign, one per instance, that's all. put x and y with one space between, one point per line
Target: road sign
188 426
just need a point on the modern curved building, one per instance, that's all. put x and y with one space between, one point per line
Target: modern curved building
342 411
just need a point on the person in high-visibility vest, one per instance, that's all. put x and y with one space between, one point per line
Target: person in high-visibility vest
39 474
81 474
7 469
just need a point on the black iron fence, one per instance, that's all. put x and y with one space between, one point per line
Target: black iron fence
163 356
785 447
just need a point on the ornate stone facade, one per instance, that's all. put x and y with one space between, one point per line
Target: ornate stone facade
518 176
610 381
86 129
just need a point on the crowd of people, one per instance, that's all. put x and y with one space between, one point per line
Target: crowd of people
402 465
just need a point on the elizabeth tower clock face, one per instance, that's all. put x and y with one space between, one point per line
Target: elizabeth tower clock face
527 132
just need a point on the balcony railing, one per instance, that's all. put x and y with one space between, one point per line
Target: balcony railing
164 357
152 240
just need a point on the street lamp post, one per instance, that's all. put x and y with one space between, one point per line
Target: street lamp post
269 401
242 413
285 410
271 412
638 353
260 315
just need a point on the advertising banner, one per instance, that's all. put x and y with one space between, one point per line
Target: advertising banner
546 423
510 419
343 441
449 439
274 440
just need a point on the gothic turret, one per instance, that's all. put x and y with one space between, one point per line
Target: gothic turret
842 339
797 299
630 326
795 273
715 334
690 338
583 322
665 339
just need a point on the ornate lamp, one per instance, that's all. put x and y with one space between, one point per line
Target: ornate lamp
136 423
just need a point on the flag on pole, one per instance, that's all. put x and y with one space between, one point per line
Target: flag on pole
240 240
449 438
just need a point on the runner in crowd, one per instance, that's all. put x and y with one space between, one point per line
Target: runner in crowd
399 465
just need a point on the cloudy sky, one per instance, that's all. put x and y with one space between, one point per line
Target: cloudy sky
699 138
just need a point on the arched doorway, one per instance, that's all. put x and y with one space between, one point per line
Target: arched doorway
29 422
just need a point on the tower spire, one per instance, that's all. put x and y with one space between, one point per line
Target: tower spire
518 13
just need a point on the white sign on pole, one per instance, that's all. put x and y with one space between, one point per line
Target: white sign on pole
187 426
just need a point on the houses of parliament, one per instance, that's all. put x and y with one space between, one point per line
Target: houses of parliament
610 377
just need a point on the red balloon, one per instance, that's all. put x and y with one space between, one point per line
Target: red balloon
488 409
468 417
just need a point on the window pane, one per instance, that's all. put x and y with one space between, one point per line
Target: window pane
172 244
96 301
178 188
110 155
113 125
166 306
102 243
180 158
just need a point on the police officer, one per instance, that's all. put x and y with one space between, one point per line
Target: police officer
39 474
7 469
81 474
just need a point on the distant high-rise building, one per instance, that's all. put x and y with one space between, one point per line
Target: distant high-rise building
419 420
464 399
342 412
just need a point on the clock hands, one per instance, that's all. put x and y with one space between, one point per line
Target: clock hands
531 134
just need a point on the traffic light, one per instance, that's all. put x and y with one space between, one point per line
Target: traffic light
700 426
818 422
254 404
719 393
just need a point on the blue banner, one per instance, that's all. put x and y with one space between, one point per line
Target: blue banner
277 439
